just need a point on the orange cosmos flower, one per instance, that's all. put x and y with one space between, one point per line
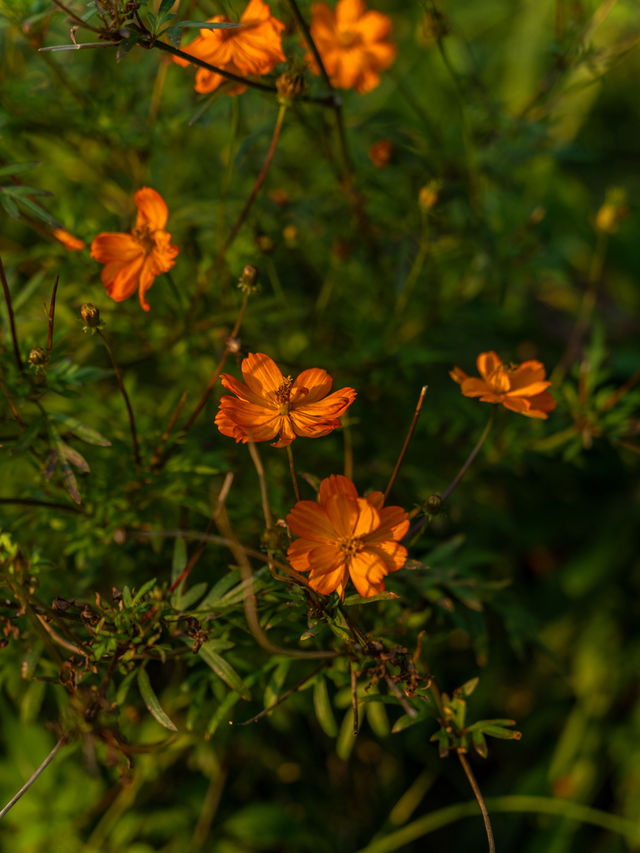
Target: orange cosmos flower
132 261
73 244
254 47
271 405
353 43
343 535
521 389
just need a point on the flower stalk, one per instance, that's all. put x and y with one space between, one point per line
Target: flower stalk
123 391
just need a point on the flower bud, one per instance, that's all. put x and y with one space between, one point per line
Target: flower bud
265 243
290 86
434 504
38 358
91 317
428 195
247 281
380 153
612 212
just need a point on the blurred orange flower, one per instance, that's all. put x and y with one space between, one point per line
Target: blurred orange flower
73 244
132 261
521 389
380 153
343 535
271 405
353 42
254 47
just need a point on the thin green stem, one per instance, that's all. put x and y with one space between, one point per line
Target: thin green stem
33 778
123 390
292 469
478 795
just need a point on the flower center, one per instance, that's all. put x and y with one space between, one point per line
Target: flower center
348 38
499 380
283 395
144 236
350 547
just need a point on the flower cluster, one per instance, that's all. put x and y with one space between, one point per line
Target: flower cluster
353 42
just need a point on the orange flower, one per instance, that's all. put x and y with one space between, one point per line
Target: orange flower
353 43
344 535
254 47
271 405
132 261
381 152
73 244
521 389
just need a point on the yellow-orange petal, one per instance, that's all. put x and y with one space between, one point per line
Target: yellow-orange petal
262 375
343 514
474 387
328 582
487 363
152 209
367 570
242 391
310 386
458 375
115 247
309 520
336 484
246 421
287 433
121 280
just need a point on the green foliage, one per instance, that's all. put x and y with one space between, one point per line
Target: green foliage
206 697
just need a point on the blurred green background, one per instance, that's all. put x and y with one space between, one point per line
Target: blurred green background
526 117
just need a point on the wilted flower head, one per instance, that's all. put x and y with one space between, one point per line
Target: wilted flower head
132 261
254 47
353 42
520 388
271 405
344 535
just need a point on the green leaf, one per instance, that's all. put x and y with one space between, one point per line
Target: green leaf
68 477
205 25
123 687
165 6
126 597
75 458
17 168
480 744
346 738
350 600
184 602
322 707
144 589
81 431
179 560
151 701
39 212
223 670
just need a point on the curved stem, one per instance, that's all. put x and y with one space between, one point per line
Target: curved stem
407 441
256 188
478 795
470 459
33 778
160 461
12 322
264 495
132 420
292 468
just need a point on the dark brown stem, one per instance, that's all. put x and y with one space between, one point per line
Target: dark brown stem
470 459
165 435
284 696
393 687
12 323
12 406
256 189
162 460
334 102
132 421
52 311
34 502
292 468
33 778
478 795
184 574
407 441
175 51
75 18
